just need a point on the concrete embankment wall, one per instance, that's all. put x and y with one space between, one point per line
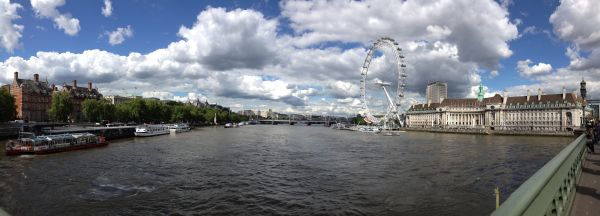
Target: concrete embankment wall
492 132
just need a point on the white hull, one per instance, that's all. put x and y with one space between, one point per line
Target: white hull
179 130
151 130
145 134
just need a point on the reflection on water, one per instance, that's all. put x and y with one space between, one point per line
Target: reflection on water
263 170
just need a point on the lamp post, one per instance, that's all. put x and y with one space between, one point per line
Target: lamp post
583 92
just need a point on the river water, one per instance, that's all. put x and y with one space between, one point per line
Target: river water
276 170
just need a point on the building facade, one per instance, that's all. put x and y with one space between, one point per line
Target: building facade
116 99
542 112
32 97
436 92
78 95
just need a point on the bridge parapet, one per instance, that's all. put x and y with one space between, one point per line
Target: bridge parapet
551 189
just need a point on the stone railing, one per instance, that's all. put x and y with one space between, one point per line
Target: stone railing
551 189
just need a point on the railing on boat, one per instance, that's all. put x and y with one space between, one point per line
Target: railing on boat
551 189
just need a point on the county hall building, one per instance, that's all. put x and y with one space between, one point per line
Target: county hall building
541 112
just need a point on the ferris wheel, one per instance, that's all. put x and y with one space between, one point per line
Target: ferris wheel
393 101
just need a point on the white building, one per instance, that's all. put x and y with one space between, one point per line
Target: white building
541 112
436 92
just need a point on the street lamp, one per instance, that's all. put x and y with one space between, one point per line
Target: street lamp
583 94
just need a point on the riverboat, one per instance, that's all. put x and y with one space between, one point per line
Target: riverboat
151 130
28 143
340 126
179 128
369 129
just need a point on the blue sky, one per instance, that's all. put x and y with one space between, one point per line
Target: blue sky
300 56
538 46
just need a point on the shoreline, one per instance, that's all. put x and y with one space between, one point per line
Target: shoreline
492 132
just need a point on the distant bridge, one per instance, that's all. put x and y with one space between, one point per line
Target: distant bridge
293 122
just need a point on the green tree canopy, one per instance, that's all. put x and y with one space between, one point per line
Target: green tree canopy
155 111
8 109
97 110
61 107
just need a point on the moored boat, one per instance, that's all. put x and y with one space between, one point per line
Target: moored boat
369 129
28 143
340 126
178 128
151 130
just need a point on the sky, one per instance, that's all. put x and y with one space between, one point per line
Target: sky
302 56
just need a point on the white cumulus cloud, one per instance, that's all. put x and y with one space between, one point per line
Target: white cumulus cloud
480 32
107 9
527 71
48 9
242 56
577 22
119 35
11 33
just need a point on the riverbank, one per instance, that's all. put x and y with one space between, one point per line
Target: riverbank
481 131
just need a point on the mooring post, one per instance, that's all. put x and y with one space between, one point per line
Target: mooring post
497 192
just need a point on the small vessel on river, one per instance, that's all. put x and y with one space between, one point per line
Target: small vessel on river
369 129
151 130
28 143
178 128
231 125
340 126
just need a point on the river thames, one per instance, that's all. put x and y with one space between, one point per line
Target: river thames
276 170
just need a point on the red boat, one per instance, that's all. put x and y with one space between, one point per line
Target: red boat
28 143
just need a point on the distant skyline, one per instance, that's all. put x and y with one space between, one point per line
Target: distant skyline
300 56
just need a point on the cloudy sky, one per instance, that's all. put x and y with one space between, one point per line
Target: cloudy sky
301 56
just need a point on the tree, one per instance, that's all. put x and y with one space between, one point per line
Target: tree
96 110
156 111
61 107
358 120
8 109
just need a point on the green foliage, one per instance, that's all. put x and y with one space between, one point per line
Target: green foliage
155 111
359 120
97 110
61 107
7 106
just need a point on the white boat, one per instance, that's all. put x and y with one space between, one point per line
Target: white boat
151 130
340 126
369 129
179 128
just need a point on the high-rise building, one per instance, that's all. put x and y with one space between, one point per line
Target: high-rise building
436 92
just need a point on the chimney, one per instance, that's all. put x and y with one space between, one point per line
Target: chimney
564 93
89 86
16 76
428 102
528 95
441 100
36 77
539 94
53 87
575 94
74 83
504 97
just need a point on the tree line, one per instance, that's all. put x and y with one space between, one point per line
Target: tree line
139 110
8 109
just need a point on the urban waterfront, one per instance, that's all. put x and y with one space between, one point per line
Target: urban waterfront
277 170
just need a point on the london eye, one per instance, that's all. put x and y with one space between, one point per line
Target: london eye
393 101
